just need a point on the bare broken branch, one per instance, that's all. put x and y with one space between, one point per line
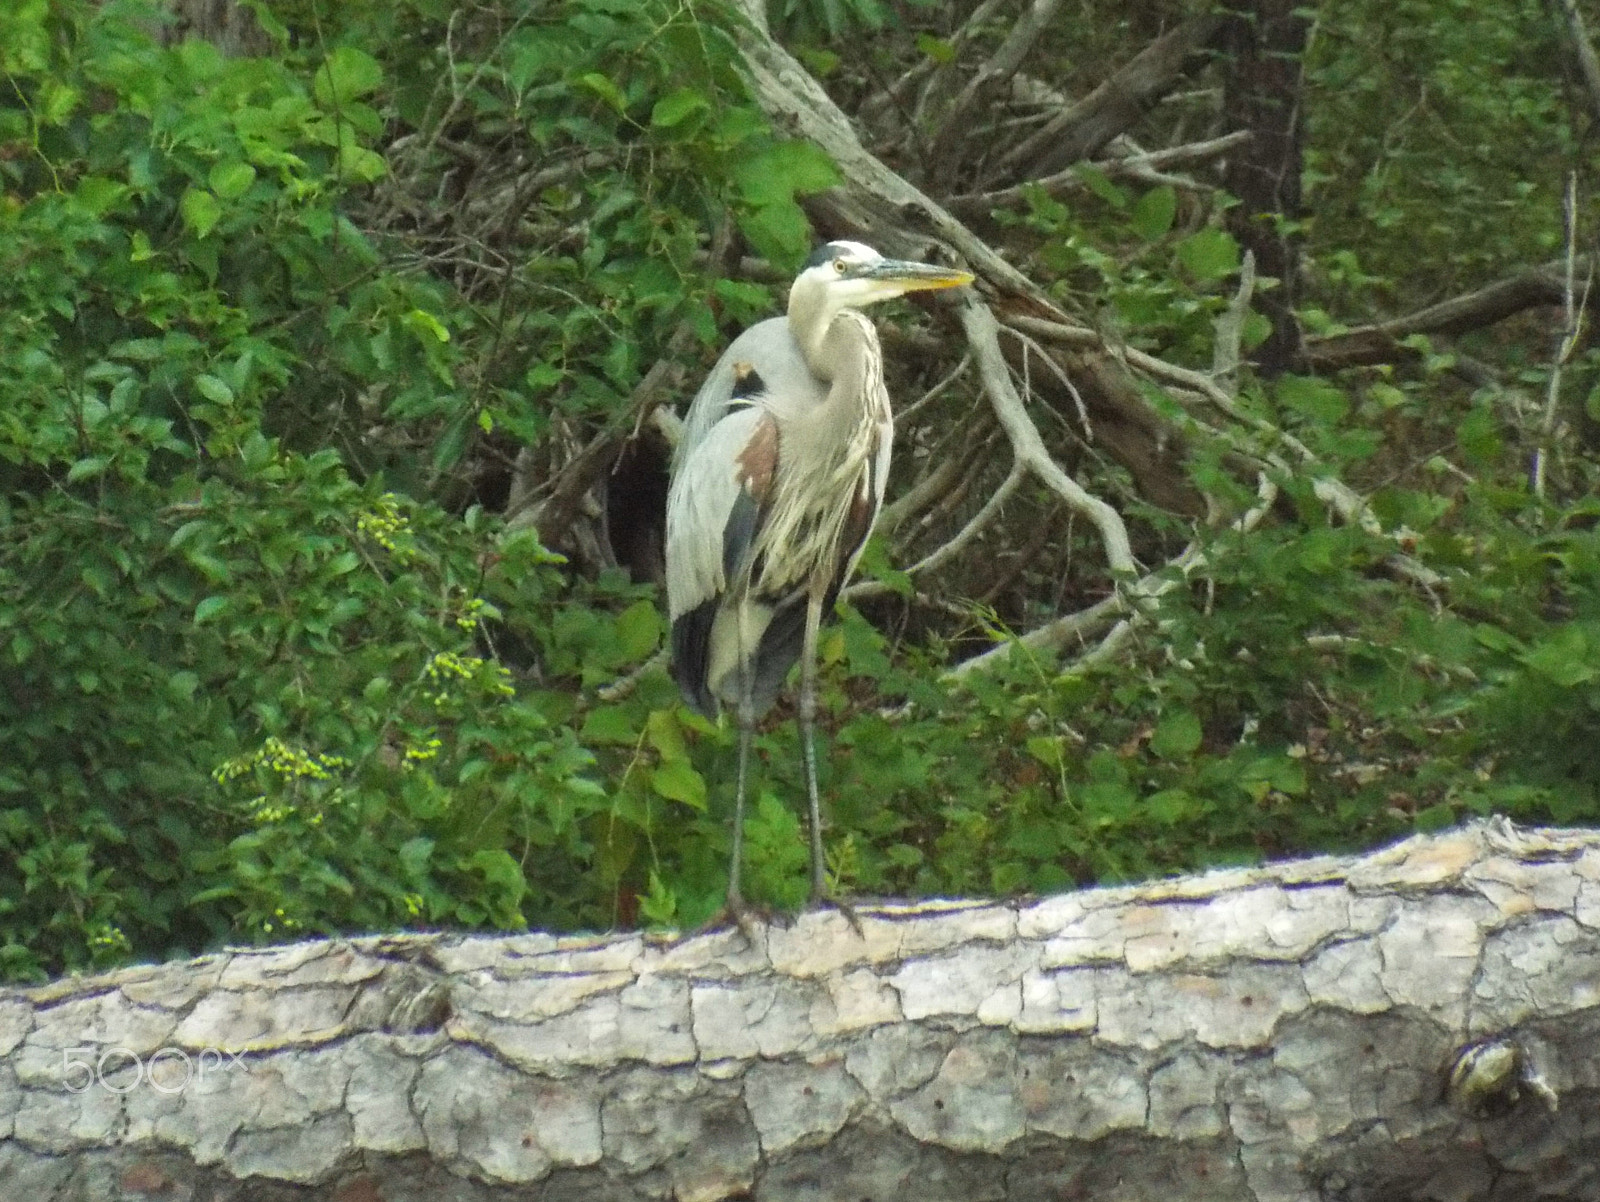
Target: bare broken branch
1023 37
1135 166
1571 330
1118 608
983 335
1381 342
1114 106
1582 51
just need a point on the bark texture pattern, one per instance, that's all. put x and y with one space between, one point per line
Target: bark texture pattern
1281 1033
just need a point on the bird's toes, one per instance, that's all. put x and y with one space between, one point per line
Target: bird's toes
749 918
821 900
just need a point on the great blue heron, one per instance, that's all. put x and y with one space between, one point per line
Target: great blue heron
775 486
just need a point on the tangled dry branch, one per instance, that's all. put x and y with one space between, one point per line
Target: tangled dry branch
878 204
1030 411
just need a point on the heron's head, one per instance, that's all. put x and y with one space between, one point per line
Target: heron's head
848 275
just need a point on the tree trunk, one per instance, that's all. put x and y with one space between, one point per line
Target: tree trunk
227 24
1280 1033
1266 42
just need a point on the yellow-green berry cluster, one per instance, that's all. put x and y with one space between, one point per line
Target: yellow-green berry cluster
428 751
384 523
283 920
447 665
471 614
282 760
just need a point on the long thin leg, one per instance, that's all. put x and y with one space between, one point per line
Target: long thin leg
735 896
808 745
747 721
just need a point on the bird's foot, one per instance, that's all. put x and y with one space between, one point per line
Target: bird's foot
821 898
750 919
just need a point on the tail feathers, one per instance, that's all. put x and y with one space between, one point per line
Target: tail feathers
781 644
782 640
691 654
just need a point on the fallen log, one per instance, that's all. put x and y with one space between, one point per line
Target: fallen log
1419 1023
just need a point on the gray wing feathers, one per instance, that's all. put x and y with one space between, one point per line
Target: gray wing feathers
705 493
770 348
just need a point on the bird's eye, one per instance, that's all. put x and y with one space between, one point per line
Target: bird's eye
838 265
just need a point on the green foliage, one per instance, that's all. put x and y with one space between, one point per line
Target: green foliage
1438 144
248 688
271 667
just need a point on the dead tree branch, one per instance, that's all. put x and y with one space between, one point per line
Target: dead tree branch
551 506
1382 341
1133 166
1024 36
1582 52
1113 107
983 335
1572 328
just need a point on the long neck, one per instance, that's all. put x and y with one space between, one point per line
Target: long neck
846 355
837 435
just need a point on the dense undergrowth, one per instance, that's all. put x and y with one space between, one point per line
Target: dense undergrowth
272 664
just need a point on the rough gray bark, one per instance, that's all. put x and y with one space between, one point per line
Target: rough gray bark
1279 1033
1265 41
230 26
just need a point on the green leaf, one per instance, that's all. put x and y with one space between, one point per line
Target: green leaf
1209 255
1108 801
666 735
1386 395
361 163
1171 806
501 871
213 389
1100 184
201 211
780 232
231 180
1566 659
674 107
783 171
60 102
605 89
1273 772
1316 399
1479 436
87 469
414 855
638 631
1322 552
1047 749
346 74
677 780
186 531
1153 216
426 326
96 193
939 50
1435 818
608 724
1495 638
208 609
1177 736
